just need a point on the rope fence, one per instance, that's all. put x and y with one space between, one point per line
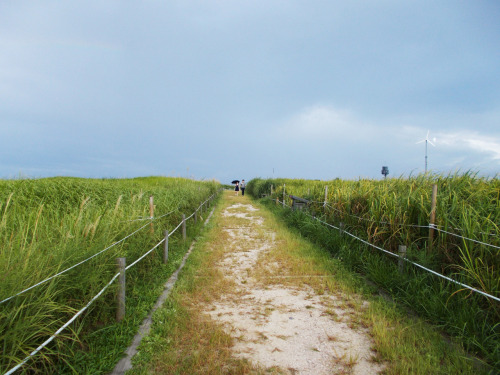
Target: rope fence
462 237
102 251
153 217
117 275
411 262
402 257
434 226
46 342
144 255
429 226
74 266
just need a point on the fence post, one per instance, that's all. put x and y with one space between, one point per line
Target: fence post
151 212
326 195
120 312
165 248
183 227
401 262
433 215
271 190
341 228
195 216
284 187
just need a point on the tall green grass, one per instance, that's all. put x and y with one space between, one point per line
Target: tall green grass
48 225
388 213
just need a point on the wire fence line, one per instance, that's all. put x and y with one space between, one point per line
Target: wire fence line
465 238
375 221
75 265
152 218
428 226
411 262
435 226
401 257
326 204
144 255
102 251
51 338
63 327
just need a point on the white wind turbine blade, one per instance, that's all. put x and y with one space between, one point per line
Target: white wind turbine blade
428 140
425 139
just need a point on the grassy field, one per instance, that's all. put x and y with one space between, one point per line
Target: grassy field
48 225
396 212
184 340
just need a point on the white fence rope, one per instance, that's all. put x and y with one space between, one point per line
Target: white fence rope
375 221
429 226
102 251
177 227
45 343
462 230
144 255
401 225
409 261
415 264
168 213
76 265
153 218
465 238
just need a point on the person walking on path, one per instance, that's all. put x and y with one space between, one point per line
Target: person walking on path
237 188
242 187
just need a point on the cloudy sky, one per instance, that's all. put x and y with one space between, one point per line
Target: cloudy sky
241 89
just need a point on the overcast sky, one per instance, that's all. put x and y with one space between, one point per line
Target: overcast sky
232 89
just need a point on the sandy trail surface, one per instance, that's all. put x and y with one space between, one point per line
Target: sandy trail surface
291 329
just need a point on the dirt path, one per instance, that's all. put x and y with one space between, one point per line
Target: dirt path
278 323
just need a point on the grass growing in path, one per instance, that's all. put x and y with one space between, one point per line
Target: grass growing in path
185 340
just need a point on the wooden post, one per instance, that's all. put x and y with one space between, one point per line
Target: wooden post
326 196
165 248
284 187
151 212
341 228
401 262
120 311
271 190
433 215
183 227
195 216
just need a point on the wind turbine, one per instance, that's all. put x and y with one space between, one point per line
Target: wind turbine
427 140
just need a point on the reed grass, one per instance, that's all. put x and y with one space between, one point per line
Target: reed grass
388 213
48 225
183 340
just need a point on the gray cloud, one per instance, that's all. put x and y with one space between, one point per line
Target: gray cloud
314 89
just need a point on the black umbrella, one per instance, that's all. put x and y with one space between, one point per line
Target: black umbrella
235 181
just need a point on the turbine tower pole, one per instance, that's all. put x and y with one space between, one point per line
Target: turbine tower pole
425 156
426 140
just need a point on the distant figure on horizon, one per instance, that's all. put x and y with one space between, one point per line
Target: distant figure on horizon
237 188
242 186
